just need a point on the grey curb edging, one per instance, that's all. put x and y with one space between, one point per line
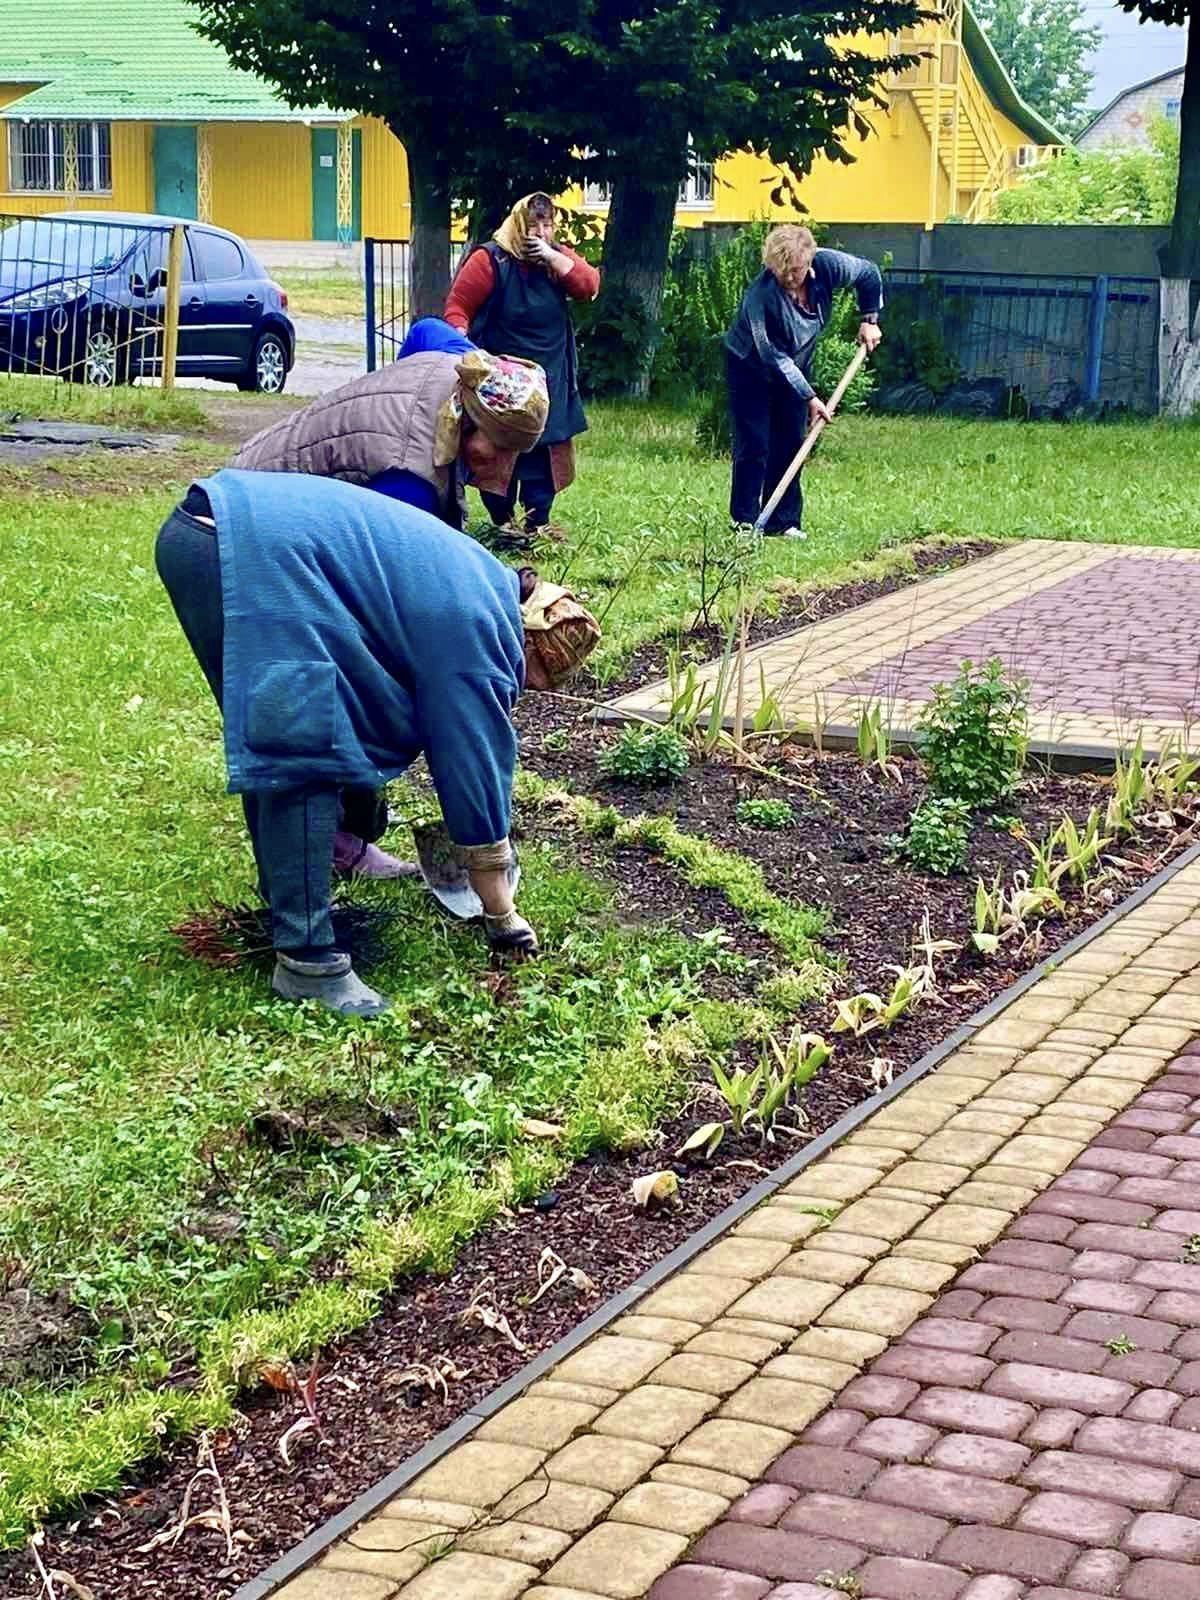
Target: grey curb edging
309 1549
843 737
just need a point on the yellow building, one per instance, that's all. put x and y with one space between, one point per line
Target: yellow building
954 133
120 105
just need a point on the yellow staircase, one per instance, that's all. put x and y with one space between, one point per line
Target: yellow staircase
969 162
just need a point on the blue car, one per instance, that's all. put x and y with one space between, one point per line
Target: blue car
83 296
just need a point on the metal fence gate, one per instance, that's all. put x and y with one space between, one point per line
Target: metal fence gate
86 299
387 281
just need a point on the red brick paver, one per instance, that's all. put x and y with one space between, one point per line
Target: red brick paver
1034 1436
1118 639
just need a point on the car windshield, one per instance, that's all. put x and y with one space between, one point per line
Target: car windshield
71 248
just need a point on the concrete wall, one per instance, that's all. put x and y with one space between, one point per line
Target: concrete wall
1038 249
1127 122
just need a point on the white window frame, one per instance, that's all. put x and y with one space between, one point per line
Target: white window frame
697 192
55 155
597 196
1173 108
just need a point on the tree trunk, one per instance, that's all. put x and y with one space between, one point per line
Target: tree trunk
1182 256
637 244
1178 350
1179 336
430 270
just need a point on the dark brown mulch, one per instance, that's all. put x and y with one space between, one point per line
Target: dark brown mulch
373 1412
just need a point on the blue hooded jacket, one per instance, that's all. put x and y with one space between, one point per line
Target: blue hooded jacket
361 633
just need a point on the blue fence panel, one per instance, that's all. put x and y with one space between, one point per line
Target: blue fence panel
1055 338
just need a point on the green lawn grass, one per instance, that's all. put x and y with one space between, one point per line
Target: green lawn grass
130 1075
46 399
313 293
644 499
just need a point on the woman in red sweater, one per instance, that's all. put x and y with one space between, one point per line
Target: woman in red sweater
510 297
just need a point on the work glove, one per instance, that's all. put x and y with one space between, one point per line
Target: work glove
510 935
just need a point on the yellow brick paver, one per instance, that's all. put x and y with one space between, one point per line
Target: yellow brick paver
826 674
593 1483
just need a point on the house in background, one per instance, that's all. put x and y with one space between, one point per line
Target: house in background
120 105
1128 119
953 135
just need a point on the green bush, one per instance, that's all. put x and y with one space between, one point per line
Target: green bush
936 840
915 348
765 813
614 334
646 755
974 734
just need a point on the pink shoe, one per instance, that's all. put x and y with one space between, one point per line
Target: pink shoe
354 859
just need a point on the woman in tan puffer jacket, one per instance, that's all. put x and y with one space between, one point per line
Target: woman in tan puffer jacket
416 430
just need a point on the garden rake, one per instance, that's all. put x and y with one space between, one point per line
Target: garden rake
810 441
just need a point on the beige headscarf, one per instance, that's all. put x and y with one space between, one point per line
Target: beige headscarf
517 225
560 634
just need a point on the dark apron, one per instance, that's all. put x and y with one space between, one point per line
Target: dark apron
526 315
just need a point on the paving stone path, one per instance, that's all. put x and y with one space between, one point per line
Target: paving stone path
957 1358
1105 634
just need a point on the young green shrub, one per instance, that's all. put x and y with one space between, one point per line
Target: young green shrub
974 734
765 813
646 755
936 840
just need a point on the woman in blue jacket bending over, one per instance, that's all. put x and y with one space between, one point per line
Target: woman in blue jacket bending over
344 634
768 364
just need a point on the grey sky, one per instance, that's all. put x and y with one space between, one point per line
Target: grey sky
1131 50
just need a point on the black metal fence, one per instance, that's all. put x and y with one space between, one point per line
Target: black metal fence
1059 340
85 299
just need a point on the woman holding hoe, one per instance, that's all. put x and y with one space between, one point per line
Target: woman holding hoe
768 365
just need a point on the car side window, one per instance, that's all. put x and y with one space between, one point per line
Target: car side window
217 258
150 263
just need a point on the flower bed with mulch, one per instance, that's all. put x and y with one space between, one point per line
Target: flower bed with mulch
387 1388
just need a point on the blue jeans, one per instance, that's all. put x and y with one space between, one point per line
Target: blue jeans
291 830
770 421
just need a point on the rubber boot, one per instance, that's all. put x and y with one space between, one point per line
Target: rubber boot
333 982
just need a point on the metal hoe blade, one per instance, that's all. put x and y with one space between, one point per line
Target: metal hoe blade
444 869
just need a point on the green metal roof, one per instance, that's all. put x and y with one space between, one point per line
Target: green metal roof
128 61
1001 90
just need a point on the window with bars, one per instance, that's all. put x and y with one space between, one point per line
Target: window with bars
695 190
39 157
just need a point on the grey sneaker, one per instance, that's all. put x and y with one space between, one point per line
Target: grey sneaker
333 982
787 533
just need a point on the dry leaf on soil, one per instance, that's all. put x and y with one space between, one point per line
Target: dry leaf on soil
484 1313
552 1269
660 1188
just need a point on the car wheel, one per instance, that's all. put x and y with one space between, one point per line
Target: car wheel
105 359
268 370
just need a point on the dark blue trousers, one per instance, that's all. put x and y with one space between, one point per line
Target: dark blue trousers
770 421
